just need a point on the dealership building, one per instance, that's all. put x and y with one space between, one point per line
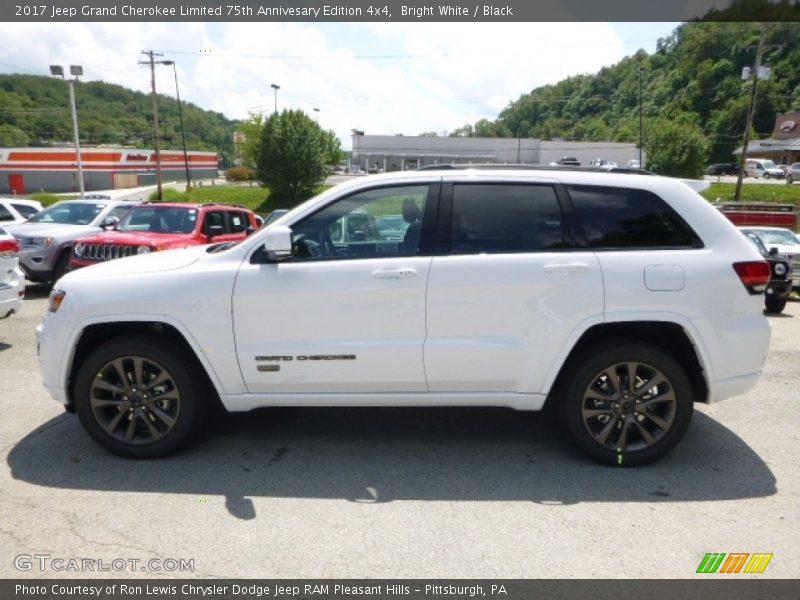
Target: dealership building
783 146
26 170
401 152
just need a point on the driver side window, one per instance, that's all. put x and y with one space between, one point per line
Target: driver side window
377 223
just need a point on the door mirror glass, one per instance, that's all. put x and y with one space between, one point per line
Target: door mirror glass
278 243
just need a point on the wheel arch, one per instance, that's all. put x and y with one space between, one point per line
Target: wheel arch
670 336
95 334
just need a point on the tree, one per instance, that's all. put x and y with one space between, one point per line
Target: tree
294 153
248 139
676 148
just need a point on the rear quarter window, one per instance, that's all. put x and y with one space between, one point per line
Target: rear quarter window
629 218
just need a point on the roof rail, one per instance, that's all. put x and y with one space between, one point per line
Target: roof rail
523 167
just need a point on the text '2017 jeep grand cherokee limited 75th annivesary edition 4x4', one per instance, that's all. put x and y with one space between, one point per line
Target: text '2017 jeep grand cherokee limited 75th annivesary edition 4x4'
621 299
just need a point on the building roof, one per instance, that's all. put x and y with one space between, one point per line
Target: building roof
772 145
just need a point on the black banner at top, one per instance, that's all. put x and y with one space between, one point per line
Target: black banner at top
397 10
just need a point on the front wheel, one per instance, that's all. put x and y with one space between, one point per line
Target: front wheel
139 396
625 402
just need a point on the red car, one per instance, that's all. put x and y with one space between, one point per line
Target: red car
163 226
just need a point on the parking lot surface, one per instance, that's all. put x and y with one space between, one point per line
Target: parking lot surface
474 493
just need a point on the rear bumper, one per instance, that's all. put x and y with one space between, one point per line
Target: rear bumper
12 293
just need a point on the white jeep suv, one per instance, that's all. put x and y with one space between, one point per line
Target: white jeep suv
621 299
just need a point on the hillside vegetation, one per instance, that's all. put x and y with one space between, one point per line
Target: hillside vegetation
693 80
34 110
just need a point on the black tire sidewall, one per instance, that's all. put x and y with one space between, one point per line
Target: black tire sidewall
774 305
164 353
588 364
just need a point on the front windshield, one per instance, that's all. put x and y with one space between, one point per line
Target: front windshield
768 164
779 237
69 213
159 219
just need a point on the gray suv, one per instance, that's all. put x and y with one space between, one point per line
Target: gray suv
46 239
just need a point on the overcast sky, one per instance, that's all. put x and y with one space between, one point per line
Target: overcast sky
384 78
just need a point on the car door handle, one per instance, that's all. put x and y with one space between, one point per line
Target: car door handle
394 273
576 267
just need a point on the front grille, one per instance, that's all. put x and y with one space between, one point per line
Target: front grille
107 251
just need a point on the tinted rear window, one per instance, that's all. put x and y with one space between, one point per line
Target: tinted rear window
497 218
629 218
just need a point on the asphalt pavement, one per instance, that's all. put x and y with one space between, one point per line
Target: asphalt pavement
391 493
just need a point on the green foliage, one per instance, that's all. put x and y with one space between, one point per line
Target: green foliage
294 154
695 72
240 173
753 192
676 149
250 134
45 199
256 198
107 114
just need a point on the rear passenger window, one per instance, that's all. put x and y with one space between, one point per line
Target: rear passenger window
629 218
5 214
25 210
238 221
498 219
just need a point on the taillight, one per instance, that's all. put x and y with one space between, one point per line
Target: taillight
9 248
754 275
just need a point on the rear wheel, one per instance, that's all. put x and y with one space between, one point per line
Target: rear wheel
140 397
774 305
625 402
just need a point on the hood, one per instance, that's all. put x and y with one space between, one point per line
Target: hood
155 262
48 229
139 238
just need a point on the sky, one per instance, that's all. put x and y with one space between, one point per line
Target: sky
384 78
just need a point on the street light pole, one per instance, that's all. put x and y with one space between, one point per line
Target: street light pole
75 71
316 114
156 133
276 88
180 120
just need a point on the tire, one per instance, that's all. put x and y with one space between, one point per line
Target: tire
117 413
774 305
599 409
766 176
62 264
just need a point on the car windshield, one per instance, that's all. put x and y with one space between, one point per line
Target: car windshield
757 243
159 219
768 164
69 213
777 236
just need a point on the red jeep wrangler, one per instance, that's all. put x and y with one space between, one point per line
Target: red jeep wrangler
163 226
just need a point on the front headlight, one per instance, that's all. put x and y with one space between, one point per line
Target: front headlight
780 269
78 250
143 250
39 241
56 298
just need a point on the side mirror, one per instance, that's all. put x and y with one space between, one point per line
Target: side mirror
773 251
278 243
109 223
214 231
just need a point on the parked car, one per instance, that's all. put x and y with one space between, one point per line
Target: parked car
729 168
602 162
12 280
569 161
479 308
793 173
785 242
13 210
274 216
46 238
164 226
634 164
761 167
779 287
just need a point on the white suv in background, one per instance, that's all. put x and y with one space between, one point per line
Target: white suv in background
12 281
622 299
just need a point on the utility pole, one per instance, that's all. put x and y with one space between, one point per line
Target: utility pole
641 164
156 133
760 49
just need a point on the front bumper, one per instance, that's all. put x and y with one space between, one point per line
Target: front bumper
37 262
